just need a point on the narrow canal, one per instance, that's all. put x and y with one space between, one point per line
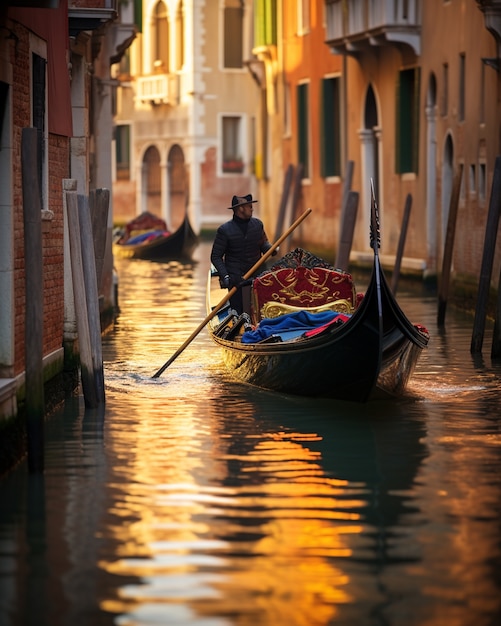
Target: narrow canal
197 501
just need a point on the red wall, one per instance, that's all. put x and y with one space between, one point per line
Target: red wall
52 239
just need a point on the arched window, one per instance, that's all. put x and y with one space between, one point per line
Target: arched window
160 38
180 36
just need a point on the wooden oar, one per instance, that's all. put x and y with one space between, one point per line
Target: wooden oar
230 293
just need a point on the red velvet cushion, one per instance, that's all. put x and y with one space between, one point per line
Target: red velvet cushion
303 287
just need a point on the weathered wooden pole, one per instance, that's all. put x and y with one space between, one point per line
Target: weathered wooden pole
401 243
343 256
283 201
443 291
347 186
296 193
349 218
91 295
86 366
33 339
496 337
491 230
99 203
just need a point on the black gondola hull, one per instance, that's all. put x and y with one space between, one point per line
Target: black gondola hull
376 350
178 245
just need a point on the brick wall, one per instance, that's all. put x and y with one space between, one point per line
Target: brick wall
52 238
53 246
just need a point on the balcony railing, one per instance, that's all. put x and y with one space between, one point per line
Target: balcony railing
353 25
158 89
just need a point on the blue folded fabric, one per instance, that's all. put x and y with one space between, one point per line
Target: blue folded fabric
300 321
151 234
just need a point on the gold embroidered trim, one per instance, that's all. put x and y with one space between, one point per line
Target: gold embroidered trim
274 309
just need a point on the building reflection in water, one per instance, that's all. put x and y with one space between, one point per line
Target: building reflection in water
243 509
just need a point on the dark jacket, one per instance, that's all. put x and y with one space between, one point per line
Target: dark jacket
238 245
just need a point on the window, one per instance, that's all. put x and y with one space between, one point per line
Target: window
38 115
303 16
233 34
287 109
445 89
302 128
123 151
180 36
4 92
482 92
124 65
462 79
265 24
408 122
481 181
472 183
160 38
330 127
232 157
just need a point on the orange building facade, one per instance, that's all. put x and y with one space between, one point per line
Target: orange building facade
406 94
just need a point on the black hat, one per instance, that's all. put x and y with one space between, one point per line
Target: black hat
237 201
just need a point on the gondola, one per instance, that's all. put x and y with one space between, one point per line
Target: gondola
351 347
146 237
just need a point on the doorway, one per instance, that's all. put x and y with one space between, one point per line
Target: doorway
177 185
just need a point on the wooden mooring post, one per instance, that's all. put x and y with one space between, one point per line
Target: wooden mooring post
486 268
33 340
349 208
99 203
90 390
496 336
348 179
349 218
92 295
296 194
289 174
443 292
401 244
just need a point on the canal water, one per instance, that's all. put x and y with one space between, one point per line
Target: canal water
194 501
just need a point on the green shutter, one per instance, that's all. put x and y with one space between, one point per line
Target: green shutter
138 14
415 120
302 130
271 23
265 23
407 131
330 143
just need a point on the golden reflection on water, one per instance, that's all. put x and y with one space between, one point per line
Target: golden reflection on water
223 512
200 502
263 550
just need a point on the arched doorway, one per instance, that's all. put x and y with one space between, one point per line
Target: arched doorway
447 182
431 174
152 185
370 137
178 196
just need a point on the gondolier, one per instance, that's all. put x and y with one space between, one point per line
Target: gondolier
312 333
238 245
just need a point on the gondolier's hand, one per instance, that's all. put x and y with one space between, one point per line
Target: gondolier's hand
225 282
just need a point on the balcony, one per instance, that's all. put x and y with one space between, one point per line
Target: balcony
355 25
158 89
492 17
